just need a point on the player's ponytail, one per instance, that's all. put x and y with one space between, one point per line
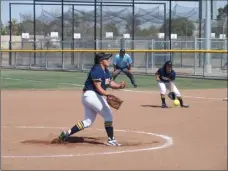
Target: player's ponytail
97 59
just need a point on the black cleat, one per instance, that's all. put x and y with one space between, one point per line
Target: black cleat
164 106
63 136
185 106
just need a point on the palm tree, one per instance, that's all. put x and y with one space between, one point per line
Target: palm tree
13 26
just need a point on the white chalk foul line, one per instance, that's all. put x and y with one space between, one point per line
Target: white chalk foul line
126 90
168 143
155 92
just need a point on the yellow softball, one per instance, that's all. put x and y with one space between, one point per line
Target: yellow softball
176 102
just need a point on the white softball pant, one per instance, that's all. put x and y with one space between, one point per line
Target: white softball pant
93 104
164 86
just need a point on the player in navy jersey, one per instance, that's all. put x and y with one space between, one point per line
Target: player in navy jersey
165 77
94 101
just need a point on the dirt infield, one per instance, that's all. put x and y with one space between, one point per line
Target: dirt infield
152 138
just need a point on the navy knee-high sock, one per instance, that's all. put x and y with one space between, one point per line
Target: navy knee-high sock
181 101
163 98
109 129
76 128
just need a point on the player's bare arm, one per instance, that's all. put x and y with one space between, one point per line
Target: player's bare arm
157 76
115 85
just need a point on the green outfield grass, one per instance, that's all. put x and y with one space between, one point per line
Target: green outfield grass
25 79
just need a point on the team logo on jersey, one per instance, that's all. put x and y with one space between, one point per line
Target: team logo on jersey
166 78
107 81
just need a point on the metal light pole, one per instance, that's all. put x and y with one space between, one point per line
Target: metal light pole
72 32
10 34
0 42
95 25
34 29
170 27
200 33
207 36
0 64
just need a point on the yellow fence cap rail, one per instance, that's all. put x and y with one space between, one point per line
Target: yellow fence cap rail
116 51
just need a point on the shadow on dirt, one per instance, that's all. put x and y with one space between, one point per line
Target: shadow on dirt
154 106
87 141
70 140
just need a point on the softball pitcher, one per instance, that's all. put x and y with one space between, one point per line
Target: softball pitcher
165 77
98 80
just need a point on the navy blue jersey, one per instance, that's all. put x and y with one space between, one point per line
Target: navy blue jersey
166 77
97 74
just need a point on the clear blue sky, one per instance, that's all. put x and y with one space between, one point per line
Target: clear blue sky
27 9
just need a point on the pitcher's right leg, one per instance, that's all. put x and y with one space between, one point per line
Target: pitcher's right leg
106 113
99 104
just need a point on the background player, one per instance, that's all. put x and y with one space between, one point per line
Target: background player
122 63
165 77
99 78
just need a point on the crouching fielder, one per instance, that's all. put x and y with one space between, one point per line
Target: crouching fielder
165 77
94 101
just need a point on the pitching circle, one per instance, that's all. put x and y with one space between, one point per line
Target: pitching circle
168 143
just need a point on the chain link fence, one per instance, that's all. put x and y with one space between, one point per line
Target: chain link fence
184 63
